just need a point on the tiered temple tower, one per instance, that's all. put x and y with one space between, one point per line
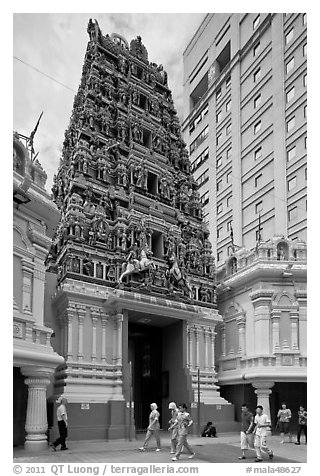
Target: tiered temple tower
135 301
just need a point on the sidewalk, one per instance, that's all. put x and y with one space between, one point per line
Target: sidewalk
225 448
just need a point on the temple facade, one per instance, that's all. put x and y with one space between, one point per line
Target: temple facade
34 360
262 341
130 274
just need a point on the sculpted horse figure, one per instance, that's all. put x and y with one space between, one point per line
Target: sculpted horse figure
175 276
137 262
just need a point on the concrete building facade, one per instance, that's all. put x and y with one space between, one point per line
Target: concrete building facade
245 124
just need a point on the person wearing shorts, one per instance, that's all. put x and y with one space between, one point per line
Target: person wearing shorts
284 417
247 425
262 423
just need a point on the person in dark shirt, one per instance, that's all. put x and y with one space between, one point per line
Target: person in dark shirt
209 430
247 426
302 424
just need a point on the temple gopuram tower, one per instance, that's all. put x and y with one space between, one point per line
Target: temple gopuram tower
135 306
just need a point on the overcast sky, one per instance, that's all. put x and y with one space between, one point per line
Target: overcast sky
54 44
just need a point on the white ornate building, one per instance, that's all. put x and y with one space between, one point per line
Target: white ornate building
34 361
262 342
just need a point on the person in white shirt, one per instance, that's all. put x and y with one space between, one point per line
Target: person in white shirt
262 423
153 428
62 418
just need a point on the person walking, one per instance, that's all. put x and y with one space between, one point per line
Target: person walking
62 418
174 430
302 424
262 422
153 428
284 417
247 426
183 422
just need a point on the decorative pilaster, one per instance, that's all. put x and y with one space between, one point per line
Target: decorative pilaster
81 311
27 276
206 338
104 322
223 340
294 320
275 325
70 314
36 419
241 322
94 311
212 341
263 391
261 299
190 347
197 339
117 341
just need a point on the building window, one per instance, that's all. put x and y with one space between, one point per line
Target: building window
219 208
198 140
229 225
305 50
304 19
305 111
228 129
256 22
256 49
290 65
219 256
291 124
230 250
257 101
219 185
218 138
229 177
289 36
228 81
292 213
290 94
228 106
292 183
258 207
291 153
205 198
200 160
229 152
229 202
305 80
258 153
258 180
305 174
219 231
203 178
257 127
305 142
218 116
256 75
218 94
219 162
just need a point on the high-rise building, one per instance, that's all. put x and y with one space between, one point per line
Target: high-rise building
245 125
134 310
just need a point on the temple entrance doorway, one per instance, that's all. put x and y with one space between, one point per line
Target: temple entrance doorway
156 350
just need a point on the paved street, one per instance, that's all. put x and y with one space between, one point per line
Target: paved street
224 449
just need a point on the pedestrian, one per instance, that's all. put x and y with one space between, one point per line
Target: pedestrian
209 431
246 433
262 422
183 422
153 428
302 424
174 430
284 417
62 418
